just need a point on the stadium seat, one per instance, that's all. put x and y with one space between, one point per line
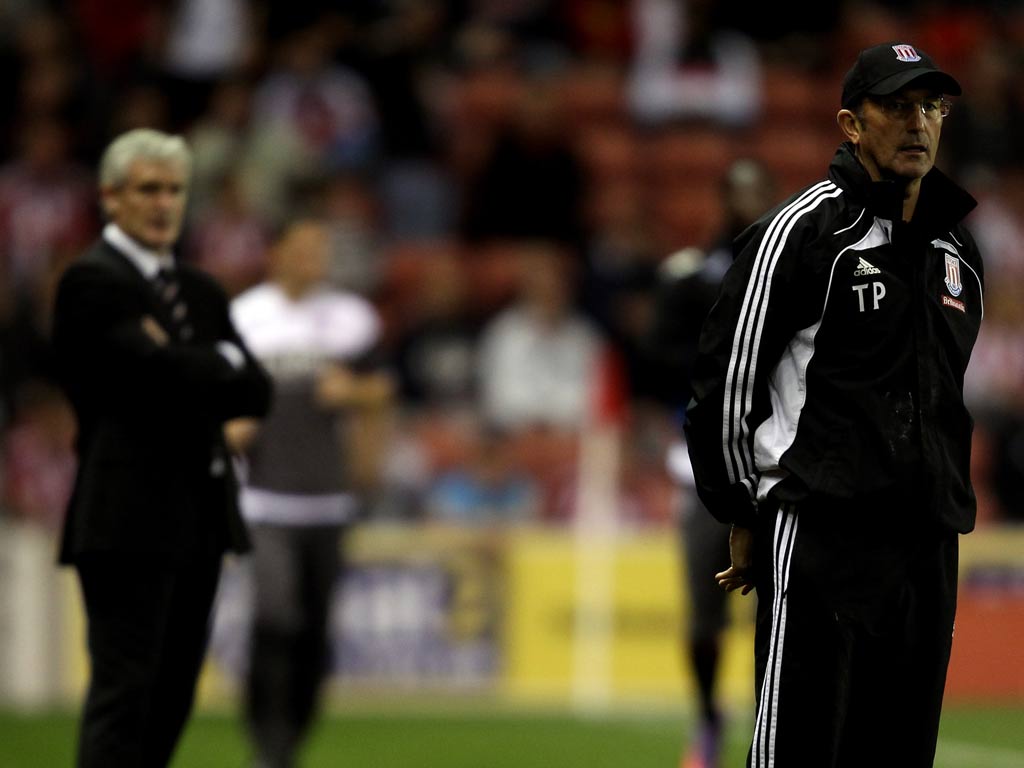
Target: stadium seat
798 154
685 152
790 96
593 95
405 266
688 213
608 152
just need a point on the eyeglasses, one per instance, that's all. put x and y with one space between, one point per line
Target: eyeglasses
934 108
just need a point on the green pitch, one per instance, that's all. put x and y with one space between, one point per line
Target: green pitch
971 738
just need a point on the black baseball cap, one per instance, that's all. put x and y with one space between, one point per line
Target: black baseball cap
884 69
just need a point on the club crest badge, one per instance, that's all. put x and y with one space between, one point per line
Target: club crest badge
906 53
953 284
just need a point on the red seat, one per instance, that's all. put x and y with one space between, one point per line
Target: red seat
687 214
685 153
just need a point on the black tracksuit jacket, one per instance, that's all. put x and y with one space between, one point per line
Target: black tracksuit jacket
832 363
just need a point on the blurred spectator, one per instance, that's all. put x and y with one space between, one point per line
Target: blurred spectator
479 46
436 347
205 41
620 262
805 38
115 61
531 182
599 30
401 52
47 212
140 105
302 486
116 52
538 357
533 31
489 489
419 200
327 107
994 382
26 356
219 140
39 458
310 117
47 87
686 68
995 378
998 224
983 133
398 46
619 245
407 468
689 280
229 240
47 80
350 210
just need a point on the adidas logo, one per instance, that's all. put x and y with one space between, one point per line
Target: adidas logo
864 268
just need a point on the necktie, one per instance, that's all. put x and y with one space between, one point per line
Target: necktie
168 289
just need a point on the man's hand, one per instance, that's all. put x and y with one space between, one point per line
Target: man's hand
338 387
241 433
739 574
155 331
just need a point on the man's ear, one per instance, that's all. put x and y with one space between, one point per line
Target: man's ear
849 124
109 201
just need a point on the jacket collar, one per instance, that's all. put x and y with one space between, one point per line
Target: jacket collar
148 262
941 205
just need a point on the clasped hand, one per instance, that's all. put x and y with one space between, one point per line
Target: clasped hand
739 574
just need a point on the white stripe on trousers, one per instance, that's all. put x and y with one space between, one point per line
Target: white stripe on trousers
768 707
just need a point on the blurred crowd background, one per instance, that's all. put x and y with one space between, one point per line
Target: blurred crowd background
505 180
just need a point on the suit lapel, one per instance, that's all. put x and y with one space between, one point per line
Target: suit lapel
120 264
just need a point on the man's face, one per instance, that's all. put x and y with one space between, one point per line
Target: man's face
304 254
150 204
897 140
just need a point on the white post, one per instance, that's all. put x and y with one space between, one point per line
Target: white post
31 607
595 550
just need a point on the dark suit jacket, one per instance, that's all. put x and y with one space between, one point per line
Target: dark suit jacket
154 476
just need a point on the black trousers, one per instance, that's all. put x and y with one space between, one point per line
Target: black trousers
148 625
295 569
854 629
